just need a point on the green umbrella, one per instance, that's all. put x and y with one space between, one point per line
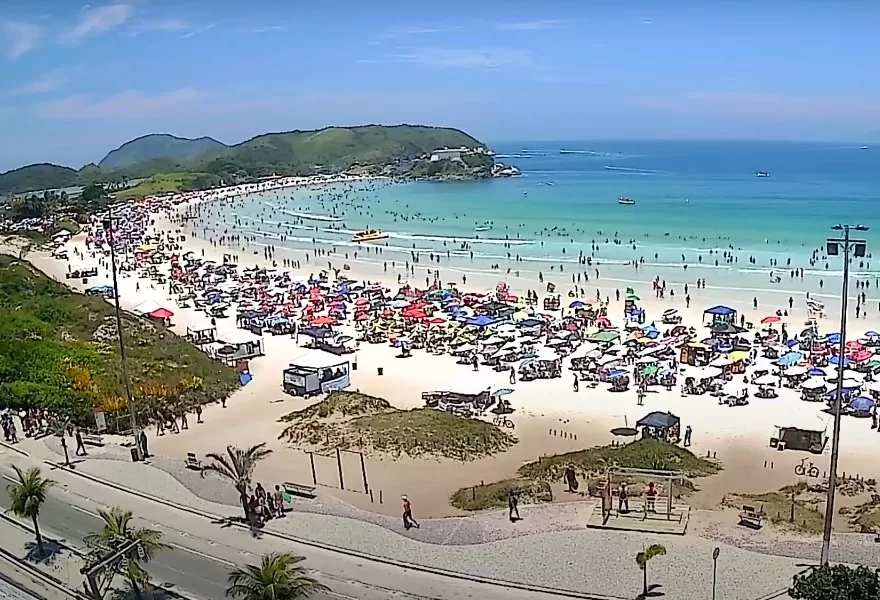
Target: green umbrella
633 297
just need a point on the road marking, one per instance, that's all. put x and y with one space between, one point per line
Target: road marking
202 554
83 510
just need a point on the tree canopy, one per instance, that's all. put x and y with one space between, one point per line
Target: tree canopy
837 582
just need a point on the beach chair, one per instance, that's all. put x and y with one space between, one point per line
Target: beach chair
192 461
299 489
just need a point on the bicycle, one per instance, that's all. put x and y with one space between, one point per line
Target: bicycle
802 469
502 421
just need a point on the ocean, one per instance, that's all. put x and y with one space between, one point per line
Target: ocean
694 202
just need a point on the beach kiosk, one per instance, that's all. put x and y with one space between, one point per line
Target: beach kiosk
237 345
660 426
803 432
316 372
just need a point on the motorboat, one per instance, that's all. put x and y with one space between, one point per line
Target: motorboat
483 228
369 235
626 200
762 174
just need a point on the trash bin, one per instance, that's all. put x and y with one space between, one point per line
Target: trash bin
354 366
135 455
380 370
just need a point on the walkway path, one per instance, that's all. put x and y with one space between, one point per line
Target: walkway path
587 561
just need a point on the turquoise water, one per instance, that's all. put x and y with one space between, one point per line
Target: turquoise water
694 201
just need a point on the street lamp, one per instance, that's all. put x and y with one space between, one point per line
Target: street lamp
715 554
858 248
111 238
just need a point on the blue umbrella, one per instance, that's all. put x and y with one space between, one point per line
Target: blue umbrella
789 359
815 372
871 334
835 360
862 404
791 343
576 304
833 338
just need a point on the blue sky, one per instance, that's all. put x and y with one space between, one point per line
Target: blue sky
77 80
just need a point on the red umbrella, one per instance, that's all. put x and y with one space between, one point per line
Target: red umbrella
770 319
361 302
436 321
361 317
323 321
161 313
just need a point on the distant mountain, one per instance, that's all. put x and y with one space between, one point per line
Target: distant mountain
328 150
158 145
40 176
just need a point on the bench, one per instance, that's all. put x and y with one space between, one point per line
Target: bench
192 461
92 440
750 517
298 489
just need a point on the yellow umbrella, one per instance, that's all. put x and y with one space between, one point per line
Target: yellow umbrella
738 356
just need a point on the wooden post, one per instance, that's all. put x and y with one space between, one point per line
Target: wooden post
339 466
314 473
380 497
792 507
364 473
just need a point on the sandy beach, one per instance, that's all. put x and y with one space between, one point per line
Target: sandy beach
550 417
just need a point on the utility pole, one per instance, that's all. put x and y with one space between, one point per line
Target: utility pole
110 232
858 248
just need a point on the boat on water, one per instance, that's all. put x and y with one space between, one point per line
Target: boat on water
863 148
483 228
369 235
762 174
626 200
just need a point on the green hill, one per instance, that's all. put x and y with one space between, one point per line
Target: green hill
328 150
42 176
155 146
331 149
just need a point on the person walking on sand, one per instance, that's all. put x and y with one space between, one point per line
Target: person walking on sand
513 506
199 413
512 375
623 498
576 385
408 520
687 436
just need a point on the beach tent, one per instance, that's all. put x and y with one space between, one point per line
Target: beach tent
146 307
720 314
161 313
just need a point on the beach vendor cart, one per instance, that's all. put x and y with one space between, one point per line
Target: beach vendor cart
696 354
316 372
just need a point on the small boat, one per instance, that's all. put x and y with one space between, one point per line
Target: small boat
863 148
369 235
626 200
483 228
762 174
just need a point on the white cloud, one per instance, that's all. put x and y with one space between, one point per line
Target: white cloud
198 31
22 37
478 58
48 82
161 25
128 105
99 20
531 25
405 32
267 29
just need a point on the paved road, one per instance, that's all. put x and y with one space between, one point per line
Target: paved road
199 567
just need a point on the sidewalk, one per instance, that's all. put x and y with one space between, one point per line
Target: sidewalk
586 561
61 565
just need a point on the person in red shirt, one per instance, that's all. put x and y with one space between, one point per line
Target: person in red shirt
650 497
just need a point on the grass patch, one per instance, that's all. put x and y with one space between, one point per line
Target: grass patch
591 464
778 507
494 495
641 454
164 183
355 421
68 342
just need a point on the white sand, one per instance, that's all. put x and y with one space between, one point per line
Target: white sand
738 435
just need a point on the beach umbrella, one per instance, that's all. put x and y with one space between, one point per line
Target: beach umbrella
633 297
576 304
835 360
871 334
815 372
323 321
770 319
813 384
862 404
161 313
767 380
795 371
502 392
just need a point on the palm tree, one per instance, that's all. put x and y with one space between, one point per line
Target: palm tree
118 531
238 466
27 495
642 559
277 577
